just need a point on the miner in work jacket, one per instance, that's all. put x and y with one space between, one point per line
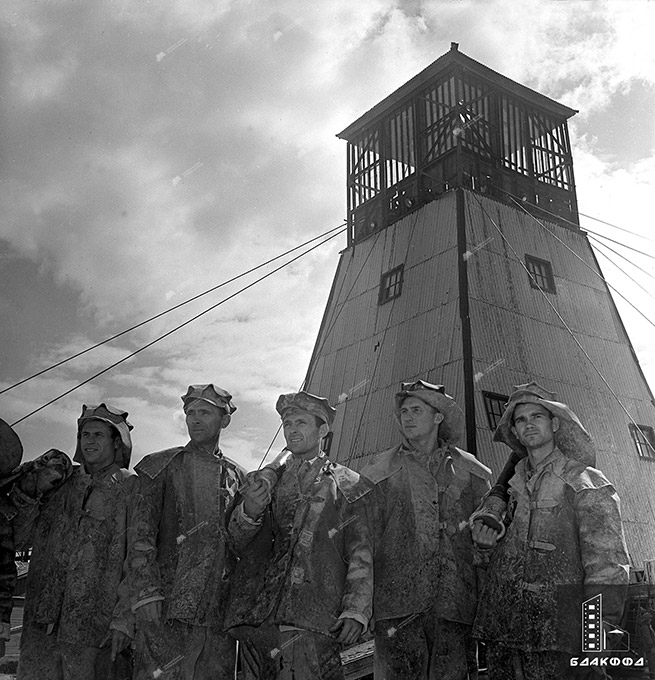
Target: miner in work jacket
178 560
564 544
11 452
76 520
425 578
306 581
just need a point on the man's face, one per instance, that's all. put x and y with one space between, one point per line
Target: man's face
534 426
204 422
98 444
302 433
418 419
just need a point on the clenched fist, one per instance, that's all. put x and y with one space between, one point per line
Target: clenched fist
256 497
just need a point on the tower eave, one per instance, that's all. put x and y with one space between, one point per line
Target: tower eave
454 58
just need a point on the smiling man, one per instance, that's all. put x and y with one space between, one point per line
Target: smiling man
564 544
312 590
75 520
179 564
425 578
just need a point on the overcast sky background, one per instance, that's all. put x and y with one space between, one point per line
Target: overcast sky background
151 150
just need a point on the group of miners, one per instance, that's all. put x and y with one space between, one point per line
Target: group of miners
159 573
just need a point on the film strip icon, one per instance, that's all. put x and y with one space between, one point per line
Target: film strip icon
592 625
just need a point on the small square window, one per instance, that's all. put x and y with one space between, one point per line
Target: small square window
391 284
541 273
644 438
494 405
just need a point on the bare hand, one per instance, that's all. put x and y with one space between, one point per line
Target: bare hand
151 612
119 642
351 630
484 536
256 498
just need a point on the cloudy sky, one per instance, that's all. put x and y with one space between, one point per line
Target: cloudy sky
151 150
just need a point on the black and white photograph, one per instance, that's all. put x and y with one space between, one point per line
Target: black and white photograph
327 340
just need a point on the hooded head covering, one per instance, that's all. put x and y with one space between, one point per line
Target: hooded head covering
118 420
211 394
304 401
571 438
11 449
452 425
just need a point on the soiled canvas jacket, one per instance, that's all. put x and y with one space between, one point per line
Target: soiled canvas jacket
564 545
310 562
78 535
7 559
178 550
424 556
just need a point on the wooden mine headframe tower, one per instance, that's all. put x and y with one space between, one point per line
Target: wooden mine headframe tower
466 266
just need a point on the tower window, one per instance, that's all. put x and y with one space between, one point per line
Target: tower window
494 405
391 284
644 438
541 273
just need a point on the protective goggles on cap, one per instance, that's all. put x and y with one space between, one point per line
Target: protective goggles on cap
452 426
304 401
106 413
209 393
421 385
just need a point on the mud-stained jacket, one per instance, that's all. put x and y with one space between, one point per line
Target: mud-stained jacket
178 550
78 535
310 562
424 556
564 545
7 559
